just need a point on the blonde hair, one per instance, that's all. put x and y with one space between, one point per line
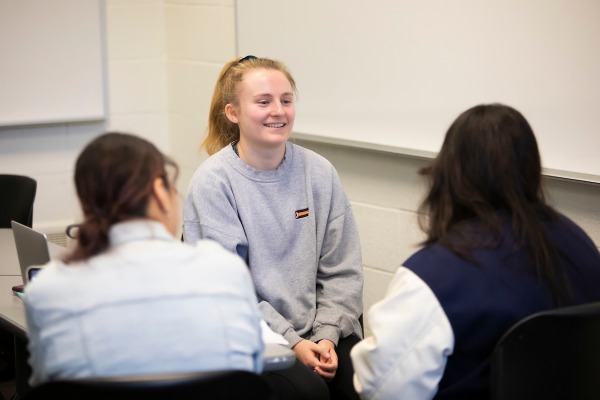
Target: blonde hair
221 131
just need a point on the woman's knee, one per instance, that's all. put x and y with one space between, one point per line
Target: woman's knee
297 383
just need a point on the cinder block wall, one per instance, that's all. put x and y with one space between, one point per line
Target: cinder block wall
163 59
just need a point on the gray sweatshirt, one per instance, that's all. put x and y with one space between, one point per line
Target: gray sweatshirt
295 228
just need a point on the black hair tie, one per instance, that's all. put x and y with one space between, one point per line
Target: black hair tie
248 57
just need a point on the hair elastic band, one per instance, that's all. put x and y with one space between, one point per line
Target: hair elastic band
248 57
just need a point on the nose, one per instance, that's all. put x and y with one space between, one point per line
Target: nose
277 108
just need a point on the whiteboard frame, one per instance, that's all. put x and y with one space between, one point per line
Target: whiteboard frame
53 69
565 126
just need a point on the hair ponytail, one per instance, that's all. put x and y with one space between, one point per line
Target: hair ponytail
114 177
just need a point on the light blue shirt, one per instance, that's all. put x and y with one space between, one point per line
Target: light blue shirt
149 304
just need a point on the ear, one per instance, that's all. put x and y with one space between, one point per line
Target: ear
231 113
161 195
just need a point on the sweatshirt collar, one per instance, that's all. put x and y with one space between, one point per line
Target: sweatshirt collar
258 175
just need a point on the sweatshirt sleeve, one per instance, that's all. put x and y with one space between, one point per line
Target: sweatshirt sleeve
411 340
339 273
218 219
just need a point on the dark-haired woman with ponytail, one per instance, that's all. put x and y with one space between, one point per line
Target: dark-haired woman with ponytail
131 298
495 252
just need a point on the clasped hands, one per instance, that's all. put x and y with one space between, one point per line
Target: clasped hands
320 357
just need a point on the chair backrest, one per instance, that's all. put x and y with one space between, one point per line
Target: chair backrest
549 355
200 385
17 195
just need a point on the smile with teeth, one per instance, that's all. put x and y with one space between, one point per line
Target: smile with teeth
275 125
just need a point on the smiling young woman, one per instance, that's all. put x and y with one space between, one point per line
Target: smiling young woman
282 208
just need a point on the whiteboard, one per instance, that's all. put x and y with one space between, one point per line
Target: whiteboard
394 74
50 61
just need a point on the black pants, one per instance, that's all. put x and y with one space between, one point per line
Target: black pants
301 383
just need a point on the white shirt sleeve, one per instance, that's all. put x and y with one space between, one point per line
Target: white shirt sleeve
411 340
270 336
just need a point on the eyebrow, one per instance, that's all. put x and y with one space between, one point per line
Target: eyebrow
271 95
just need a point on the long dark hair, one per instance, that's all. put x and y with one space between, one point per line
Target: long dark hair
114 175
490 166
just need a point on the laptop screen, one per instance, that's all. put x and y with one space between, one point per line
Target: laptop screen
32 248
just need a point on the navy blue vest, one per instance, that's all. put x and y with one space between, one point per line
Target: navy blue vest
483 300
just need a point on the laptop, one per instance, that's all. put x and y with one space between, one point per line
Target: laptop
32 250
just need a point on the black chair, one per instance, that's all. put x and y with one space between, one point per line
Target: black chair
182 386
17 195
16 200
549 355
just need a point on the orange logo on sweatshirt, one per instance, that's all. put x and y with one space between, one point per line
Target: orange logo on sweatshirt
301 213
